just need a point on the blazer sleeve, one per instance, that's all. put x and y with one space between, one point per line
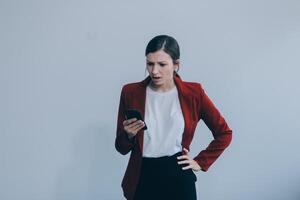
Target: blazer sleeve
123 143
220 130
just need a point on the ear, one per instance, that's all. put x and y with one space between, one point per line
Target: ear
176 65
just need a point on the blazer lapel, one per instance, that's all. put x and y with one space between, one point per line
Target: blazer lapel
184 100
140 105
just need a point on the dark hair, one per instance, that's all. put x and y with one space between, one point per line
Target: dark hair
165 42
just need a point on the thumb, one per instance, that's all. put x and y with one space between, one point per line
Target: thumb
185 150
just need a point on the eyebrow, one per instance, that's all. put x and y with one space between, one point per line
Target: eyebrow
158 61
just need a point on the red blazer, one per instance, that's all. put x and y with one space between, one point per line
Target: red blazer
195 105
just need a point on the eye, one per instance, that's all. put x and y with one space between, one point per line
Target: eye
162 65
149 63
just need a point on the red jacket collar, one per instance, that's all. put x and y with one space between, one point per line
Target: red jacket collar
177 79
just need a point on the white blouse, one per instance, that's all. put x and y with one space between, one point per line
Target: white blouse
165 123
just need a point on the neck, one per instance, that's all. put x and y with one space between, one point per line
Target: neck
163 88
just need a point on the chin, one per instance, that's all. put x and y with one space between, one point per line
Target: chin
160 83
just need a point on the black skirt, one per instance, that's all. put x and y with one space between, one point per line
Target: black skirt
163 178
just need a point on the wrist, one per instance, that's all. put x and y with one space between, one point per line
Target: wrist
130 137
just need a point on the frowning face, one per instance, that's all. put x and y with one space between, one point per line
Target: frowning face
161 68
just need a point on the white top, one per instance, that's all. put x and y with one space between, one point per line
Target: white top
165 123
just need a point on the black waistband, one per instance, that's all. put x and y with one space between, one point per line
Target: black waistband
163 158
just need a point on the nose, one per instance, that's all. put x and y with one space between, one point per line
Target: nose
154 69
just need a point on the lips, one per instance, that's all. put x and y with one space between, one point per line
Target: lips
156 79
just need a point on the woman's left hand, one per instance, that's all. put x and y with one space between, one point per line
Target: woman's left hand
192 163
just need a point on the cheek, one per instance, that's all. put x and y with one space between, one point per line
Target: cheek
168 70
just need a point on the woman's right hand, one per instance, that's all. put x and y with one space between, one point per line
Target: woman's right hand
132 126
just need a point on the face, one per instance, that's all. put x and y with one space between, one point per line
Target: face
160 64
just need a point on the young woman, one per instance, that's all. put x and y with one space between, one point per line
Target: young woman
160 166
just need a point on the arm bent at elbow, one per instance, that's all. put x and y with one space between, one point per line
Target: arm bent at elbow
123 143
220 130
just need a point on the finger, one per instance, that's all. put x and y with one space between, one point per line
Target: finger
136 124
132 124
141 127
183 157
134 128
184 161
187 167
131 120
185 150
128 121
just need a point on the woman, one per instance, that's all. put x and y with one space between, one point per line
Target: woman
160 166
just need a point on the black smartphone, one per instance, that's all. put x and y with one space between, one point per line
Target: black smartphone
134 113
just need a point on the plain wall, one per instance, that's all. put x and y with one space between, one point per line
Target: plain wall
63 64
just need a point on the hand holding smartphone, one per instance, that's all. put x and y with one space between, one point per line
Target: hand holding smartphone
134 113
